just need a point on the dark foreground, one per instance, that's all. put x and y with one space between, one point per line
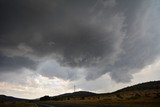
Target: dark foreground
117 105
39 104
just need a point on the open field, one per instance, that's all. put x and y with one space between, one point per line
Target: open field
126 97
140 95
17 104
101 104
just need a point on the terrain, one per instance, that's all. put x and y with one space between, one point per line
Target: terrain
148 92
8 101
144 94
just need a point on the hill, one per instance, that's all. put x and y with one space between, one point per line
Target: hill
4 98
78 94
68 96
142 86
148 92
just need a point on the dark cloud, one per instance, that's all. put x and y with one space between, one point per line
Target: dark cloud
13 63
100 36
75 36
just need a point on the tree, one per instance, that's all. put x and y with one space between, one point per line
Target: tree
45 98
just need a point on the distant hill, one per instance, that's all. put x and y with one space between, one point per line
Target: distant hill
142 86
143 92
148 92
4 98
67 96
78 94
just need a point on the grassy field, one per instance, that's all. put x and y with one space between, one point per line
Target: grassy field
140 95
141 98
113 99
102 104
17 104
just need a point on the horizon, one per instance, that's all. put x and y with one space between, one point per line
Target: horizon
49 46
79 91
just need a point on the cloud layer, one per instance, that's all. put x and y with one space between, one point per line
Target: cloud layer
60 38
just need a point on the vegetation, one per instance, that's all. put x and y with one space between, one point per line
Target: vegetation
145 93
76 95
45 98
17 104
4 98
142 86
140 95
7 101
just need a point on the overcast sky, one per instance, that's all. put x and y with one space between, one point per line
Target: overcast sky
48 46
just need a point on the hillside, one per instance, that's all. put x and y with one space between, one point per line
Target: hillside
67 96
142 86
78 94
4 98
148 92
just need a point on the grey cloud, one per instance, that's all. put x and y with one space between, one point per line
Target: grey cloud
76 38
112 37
17 62
51 68
141 46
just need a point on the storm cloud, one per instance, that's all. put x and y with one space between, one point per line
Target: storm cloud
105 36
16 62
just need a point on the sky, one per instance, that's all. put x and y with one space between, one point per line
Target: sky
48 46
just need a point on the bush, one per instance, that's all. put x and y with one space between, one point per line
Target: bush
44 98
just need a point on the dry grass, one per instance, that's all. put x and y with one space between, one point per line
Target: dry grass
17 104
148 97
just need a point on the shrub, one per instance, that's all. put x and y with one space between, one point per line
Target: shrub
44 98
